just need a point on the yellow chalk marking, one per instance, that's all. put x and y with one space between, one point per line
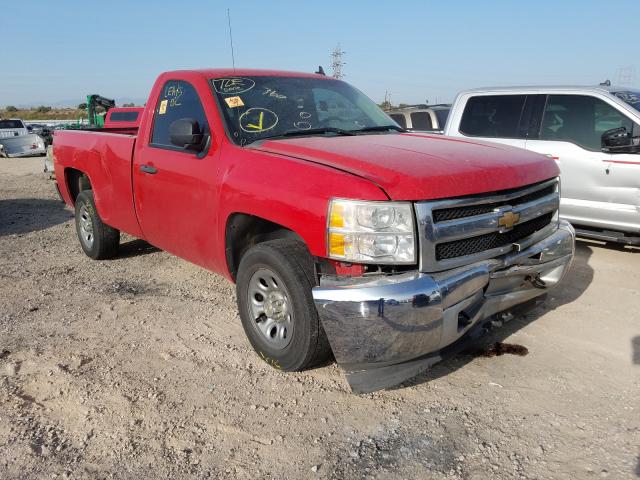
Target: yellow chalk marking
259 126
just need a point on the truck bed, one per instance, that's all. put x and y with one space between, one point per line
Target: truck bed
106 158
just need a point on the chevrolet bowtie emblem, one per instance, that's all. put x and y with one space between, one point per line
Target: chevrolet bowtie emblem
508 220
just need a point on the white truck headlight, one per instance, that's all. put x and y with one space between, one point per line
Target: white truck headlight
371 232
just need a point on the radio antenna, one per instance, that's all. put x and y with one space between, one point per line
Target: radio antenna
233 58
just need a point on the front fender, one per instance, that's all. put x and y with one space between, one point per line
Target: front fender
286 191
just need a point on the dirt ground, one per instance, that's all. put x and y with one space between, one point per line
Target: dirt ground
138 368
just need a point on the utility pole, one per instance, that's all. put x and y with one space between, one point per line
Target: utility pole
337 63
387 100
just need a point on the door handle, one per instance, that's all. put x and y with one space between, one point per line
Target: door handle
148 169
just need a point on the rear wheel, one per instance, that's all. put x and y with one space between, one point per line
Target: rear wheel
98 240
278 314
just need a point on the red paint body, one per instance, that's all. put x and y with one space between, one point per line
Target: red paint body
184 208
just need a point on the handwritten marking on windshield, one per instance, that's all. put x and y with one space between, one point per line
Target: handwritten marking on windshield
303 124
256 120
259 126
235 85
174 93
272 93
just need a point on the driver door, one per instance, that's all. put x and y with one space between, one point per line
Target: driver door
173 187
598 189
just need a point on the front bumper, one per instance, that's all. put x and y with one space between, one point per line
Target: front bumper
386 329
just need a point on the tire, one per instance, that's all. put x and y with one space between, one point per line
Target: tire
288 334
98 240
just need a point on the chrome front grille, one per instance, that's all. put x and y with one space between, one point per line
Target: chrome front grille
460 231
489 241
453 213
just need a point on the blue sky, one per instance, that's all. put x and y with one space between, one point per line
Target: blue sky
57 51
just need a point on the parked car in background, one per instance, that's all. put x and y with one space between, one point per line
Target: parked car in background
45 131
424 118
12 127
593 133
37 128
17 141
22 146
341 231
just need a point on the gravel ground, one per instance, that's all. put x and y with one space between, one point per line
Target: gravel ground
138 368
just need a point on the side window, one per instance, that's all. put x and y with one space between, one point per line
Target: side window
495 116
399 119
607 117
580 119
421 121
177 100
531 119
123 116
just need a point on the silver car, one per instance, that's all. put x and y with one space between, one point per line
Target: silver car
593 133
22 146
16 141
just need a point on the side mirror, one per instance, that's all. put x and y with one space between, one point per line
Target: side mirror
186 133
618 140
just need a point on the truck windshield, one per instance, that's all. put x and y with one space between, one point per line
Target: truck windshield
255 108
631 97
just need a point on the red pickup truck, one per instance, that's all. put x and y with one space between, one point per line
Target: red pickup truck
343 233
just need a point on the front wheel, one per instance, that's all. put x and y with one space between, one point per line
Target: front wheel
276 307
98 240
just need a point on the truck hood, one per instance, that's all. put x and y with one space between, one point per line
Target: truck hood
421 167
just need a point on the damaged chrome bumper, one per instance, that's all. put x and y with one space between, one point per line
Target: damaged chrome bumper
386 329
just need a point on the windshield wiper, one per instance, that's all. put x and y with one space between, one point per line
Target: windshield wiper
380 128
310 131
337 131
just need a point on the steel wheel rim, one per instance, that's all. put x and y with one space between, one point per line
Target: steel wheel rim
86 226
270 308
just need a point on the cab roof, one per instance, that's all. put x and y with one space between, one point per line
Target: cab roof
245 72
555 88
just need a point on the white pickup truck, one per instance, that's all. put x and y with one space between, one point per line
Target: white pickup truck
593 133
12 127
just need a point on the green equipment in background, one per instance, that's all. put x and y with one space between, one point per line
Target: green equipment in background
97 108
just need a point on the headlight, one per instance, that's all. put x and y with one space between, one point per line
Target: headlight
371 232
